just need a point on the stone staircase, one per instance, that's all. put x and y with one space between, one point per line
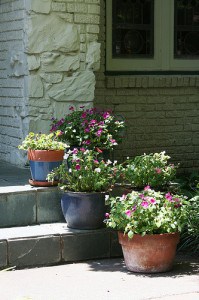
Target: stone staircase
33 231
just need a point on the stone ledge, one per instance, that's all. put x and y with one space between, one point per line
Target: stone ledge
25 205
49 244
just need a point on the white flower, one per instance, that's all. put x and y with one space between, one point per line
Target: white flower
106 197
98 170
115 162
109 162
70 170
74 130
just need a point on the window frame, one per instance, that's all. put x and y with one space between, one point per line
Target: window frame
163 60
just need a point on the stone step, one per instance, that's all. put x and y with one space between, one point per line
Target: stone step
27 205
54 243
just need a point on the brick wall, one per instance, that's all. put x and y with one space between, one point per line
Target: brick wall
12 78
161 112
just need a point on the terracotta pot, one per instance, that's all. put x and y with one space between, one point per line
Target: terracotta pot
150 253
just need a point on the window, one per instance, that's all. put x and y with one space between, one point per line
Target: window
152 35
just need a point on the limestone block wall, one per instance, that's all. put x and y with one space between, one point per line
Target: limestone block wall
61 51
161 112
13 75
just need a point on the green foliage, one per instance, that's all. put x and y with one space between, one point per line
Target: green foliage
148 212
87 172
42 141
89 128
151 169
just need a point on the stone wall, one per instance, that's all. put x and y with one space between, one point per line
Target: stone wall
62 53
161 112
13 75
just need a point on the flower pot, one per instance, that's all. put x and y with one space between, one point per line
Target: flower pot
83 210
150 253
43 162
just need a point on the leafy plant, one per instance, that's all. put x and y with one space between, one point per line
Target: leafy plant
86 172
149 169
42 141
89 128
148 212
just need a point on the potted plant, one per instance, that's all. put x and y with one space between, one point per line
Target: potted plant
84 186
89 128
148 224
45 153
148 169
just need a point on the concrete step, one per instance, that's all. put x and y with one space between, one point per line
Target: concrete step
27 205
55 243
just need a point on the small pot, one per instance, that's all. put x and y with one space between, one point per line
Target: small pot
42 162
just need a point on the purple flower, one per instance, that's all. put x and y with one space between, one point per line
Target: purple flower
141 196
77 167
82 106
87 130
144 204
71 108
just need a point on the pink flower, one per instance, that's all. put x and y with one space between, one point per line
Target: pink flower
98 150
92 122
84 115
134 208
158 170
147 188
71 108
75 151
86 130
153 201
82 149
106 115
169 197
141 196
87 142
77 167
96 161
99 132
144 204
112 141
128 213
82 106
107 215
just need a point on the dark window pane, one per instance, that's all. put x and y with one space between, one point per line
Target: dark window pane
133 28
186 31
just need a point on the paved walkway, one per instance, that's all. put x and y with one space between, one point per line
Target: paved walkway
101 280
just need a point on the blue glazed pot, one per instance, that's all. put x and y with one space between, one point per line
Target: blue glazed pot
42 162
40 170
83 210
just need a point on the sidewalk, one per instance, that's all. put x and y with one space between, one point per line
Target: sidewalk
101 280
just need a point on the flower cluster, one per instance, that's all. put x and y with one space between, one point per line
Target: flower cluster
151 169
147 212
85 172
89 128
42 141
